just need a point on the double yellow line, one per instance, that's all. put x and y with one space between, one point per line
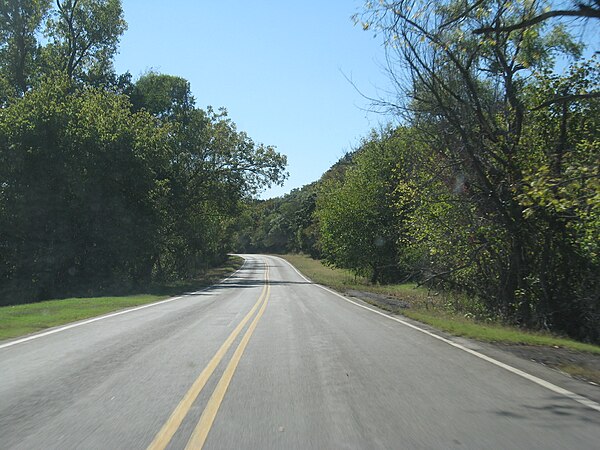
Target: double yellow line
200 433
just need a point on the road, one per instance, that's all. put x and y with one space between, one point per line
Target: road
269 360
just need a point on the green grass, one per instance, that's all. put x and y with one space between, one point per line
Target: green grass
343 280
427 310
24 319
458 326
19 320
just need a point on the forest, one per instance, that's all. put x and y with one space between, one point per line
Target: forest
487 184
108 183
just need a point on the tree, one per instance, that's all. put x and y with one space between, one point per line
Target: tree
213 168
280 225
359 223
466 96
163 96
84 36
81 193
105 183
20 22
561 195
581 9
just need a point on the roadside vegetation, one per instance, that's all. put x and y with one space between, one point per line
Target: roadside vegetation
487 187
343 280
19 320
108 183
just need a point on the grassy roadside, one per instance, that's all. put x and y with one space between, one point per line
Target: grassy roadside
19 320
343 280
425 309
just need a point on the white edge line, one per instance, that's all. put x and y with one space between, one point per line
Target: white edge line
552 387
108 316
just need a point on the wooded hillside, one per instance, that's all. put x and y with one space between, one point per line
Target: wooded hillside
490 187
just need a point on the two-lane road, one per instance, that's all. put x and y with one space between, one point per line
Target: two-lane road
268 360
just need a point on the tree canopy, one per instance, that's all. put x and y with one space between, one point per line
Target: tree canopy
107 184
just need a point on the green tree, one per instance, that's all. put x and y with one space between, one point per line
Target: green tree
280 225
580 9
80 192
561 194
84 35
164 96
106 183
20 23
359 222
213 168
466 96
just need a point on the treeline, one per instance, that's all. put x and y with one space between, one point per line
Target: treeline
106 183
490 188
285 224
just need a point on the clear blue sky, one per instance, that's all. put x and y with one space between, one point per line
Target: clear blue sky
277 66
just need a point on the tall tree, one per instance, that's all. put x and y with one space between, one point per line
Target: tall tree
213 167
359 222
84 36
465 93
81 192
580 9
20 22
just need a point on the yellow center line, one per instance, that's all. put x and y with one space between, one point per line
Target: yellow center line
212 408
164 436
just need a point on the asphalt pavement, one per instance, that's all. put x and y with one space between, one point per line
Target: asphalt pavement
267 359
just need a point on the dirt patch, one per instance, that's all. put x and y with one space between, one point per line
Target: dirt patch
584 366
385 302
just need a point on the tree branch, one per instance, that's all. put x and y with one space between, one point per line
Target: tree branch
584 12
566 99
